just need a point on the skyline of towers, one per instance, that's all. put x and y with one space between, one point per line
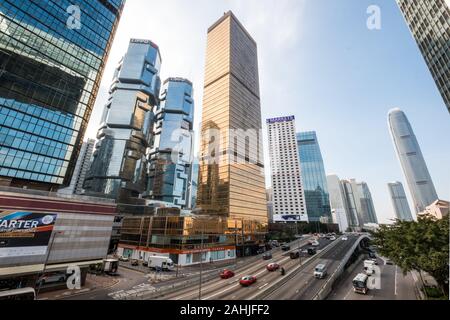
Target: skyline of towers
286 174
231 177
313 175
399 201
429 22
119 165
49 78
171 154
414 167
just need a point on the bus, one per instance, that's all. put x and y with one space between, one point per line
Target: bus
18 294
360 283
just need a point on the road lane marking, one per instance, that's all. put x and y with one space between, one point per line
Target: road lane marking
395 281
263 286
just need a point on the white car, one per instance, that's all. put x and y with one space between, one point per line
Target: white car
344 238
315 243
332 238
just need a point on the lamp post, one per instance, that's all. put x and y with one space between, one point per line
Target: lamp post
201 263
46 261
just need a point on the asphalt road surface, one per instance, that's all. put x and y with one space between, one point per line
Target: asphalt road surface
304 286
388 283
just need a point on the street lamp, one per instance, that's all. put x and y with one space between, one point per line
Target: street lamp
46 260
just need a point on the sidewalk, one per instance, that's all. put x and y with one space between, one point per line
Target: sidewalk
93 282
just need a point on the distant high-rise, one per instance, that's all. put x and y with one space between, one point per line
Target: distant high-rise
231 179
399 201
368 213
171 155
429 22
339 207
314 180
51 65
412 161
81 169
119 166
287 186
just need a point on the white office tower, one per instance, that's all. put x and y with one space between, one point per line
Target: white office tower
399 201
412 161
288 196
339 210
81 169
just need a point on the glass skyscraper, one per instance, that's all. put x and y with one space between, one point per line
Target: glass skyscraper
399 201
51 64
314 179
171 156
429 22
119 166
231 180
412 161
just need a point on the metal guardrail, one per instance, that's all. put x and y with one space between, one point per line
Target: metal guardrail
327 287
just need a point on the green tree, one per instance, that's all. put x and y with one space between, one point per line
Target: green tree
420 246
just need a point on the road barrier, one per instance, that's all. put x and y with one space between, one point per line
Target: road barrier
328 286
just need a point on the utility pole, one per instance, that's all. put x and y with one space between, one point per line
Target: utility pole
201 263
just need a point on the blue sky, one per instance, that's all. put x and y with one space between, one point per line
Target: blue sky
319 62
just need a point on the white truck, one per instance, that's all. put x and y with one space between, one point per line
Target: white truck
369 267
164 263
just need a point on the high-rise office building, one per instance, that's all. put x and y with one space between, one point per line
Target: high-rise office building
231 179
171 156
287 187
368 213
81 169
51 64
412 161
338 202
429 22
269 195
399 201
314 180
194 184
359 202
119 166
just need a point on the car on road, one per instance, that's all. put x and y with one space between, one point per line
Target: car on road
295 254
273 267
267 256
145 263
312 251
124 259
134 263
389 262
344 238
51 278
332 238
227 274
372 255
247 281
315 243
375 261
320 271
285 247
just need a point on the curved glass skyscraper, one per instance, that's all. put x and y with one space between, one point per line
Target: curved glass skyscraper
412 161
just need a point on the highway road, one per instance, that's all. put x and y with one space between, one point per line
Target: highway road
304 286
388 283
230 289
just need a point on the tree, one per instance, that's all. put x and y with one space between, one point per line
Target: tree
420 246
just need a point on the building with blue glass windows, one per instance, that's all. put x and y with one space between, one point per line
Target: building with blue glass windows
171 157
120 165
50 72
314 180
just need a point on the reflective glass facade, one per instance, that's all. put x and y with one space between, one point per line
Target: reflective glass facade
314 179
429 22
412 161
49 79
119 165
231 179
171 156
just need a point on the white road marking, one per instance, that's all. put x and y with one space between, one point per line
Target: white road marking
263 286
350 291
395 281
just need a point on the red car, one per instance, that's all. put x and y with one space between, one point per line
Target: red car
247 281
273 266
227 274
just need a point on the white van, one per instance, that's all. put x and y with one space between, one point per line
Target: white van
369 267
320 271
164 263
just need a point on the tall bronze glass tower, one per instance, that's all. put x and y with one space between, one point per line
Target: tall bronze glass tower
231 178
